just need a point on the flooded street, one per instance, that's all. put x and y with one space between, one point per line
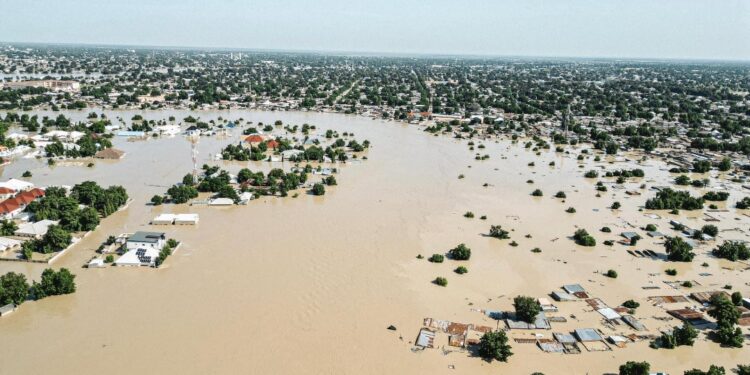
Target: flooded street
309 284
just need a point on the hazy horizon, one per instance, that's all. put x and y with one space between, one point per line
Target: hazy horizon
635 29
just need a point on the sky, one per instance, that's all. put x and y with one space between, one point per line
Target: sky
662 29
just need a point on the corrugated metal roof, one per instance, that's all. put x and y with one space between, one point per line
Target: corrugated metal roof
587 334
573 288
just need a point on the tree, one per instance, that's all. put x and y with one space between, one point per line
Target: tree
678 250
88 219
13 288
726 315
182 193
701 166
526 308
737 298
685 335
157 200
460 252
635 368
496 231
743 370
188 180
8 228
583 238
318 189
732 250
713 370
668 199
494 346
54 283
56 239
710 230
725 164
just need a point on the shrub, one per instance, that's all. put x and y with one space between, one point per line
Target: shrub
157 200
687 284
26 174
109 258
710 230
651 228
496 231
671 272
460 252
611 274
743 204
469 215
318 189
537 193
436 258
570 210
737 298
591 174
635 368
606 230
682 180
560 194
442 281
631 304
461 270
616 205
536 250
583 238
716 196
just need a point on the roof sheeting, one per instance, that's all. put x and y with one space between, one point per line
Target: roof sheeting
587 334
608 313
573 288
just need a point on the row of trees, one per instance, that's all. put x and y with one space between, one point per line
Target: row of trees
59 206
14 288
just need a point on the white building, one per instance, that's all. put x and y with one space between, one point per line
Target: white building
163 219
17 185
186 219
138 257
35 230
8 244
146 240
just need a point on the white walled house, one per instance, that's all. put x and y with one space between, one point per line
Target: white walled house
146 240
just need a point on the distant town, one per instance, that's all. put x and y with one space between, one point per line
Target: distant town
489 214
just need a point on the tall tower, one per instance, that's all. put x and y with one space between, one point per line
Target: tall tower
194 154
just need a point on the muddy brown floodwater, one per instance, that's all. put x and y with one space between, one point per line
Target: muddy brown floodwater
308 285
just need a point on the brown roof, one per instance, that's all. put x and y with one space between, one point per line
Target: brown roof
8 205
109 153
254 139
25 198
686 314
37 192
5 190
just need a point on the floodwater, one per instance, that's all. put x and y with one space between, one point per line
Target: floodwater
309 284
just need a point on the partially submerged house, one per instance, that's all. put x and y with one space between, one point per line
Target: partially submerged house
7 309
35 230
110 153
163 219
138 257
8 244
146 240
186 219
